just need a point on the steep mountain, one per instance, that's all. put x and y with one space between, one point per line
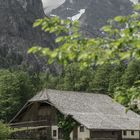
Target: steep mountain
17 34
93 14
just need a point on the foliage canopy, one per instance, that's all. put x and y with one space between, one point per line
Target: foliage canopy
15 89
120 41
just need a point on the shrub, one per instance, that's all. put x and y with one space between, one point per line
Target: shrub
4 131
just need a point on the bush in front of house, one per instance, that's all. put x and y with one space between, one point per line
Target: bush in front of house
4 131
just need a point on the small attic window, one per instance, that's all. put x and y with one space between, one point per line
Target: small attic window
81 128
124 133
132 133
43 104
113 133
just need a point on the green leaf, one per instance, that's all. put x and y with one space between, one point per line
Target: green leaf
107 28
38 22
59 39
136 7
34 49
120 19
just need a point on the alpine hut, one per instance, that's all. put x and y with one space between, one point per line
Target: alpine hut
98 116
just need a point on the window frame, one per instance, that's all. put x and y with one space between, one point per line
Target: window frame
125 133
132 132
82 129
113 133
54 133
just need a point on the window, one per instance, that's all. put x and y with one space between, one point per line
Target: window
113 133
132 133
124 133
81 128
60 133
54 133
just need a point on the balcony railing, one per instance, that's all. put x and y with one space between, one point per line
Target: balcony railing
31 123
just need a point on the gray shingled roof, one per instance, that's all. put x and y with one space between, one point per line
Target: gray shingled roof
94 111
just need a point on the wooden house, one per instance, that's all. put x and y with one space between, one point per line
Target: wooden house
99 117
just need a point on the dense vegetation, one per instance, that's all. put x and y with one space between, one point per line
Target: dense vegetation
16 87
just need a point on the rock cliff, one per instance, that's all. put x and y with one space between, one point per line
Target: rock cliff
17 34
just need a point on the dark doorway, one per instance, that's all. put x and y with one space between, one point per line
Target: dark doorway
75 133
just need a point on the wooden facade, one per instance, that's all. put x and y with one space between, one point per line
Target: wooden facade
37 114
36 121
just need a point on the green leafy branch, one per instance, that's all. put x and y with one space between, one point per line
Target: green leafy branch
67 124
129 96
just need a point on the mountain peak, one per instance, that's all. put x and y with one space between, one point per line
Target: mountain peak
95 13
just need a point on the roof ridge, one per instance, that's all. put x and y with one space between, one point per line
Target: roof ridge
76 92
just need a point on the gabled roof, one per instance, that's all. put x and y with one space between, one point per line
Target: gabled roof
94 111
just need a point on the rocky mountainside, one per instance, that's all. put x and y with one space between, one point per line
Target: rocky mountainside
93 14
17 34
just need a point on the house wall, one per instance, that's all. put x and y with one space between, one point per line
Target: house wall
83 135
130 136
105 135
114 135
34 134
56 129
37 114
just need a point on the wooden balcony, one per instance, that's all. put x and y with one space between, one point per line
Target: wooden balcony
31 124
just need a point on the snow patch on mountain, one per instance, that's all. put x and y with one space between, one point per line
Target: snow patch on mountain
49 5
23 3
134 1
71 1
77 16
